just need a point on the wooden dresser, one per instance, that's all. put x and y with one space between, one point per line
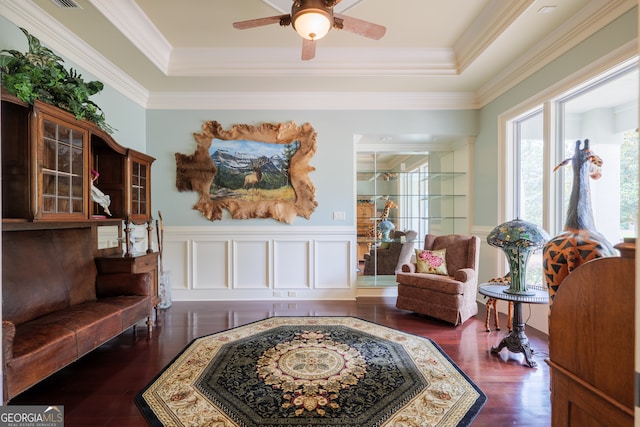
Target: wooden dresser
591 344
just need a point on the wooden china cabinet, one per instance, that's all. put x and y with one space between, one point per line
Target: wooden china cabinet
47 161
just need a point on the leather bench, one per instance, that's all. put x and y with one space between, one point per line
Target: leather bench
56 307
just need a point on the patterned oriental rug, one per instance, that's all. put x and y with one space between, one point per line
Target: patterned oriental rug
311 371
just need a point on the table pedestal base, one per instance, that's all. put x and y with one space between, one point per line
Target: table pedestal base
517 341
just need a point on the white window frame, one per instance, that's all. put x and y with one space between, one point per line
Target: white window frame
548 101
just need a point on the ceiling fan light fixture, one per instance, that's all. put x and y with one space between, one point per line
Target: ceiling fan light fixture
311 19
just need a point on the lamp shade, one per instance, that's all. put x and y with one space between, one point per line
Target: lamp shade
312 20
518 233
518 239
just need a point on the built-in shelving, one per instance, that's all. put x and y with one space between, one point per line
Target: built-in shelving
432 197
48 163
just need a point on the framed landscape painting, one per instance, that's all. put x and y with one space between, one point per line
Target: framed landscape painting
252 171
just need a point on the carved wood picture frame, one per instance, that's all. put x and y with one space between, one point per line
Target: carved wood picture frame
252 184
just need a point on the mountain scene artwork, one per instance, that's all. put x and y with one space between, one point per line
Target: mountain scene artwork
252 170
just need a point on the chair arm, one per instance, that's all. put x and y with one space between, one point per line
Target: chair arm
409 268
8 334
117 284
465 275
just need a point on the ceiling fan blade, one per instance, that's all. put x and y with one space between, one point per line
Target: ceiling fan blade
358 26
252 23
308 49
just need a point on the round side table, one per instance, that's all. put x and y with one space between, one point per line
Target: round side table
517 341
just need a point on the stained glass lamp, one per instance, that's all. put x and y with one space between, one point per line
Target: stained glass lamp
518 239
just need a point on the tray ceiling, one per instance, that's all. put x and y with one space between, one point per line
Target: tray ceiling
435 54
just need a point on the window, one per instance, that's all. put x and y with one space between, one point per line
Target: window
529 151
528 194
604 111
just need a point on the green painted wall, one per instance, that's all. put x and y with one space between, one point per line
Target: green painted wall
171 131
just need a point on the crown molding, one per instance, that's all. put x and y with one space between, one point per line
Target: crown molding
132 22
312 101
494 20
592 18
623 57
136 26
28 15
25 13
329 62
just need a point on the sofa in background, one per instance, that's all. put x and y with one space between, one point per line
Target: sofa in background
389 257
56 308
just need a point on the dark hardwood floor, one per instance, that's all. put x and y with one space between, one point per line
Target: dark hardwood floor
98 390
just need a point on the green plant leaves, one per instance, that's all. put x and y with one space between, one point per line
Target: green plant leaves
40 74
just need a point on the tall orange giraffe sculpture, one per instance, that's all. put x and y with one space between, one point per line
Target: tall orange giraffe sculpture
579 242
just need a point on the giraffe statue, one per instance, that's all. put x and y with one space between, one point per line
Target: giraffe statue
579 242
374 231
492 303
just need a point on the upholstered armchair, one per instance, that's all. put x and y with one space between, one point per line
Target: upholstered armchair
450 293
389 258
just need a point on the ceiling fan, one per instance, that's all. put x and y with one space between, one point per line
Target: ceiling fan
312 20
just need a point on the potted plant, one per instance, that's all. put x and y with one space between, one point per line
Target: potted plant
40 74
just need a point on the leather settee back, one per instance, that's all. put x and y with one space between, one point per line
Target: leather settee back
45 271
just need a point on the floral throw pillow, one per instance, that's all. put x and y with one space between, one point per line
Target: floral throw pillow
433 262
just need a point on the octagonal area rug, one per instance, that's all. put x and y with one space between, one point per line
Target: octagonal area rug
311 371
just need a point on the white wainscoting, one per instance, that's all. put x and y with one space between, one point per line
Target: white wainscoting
288 264
260 263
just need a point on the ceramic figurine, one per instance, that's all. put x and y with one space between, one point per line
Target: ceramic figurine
98 196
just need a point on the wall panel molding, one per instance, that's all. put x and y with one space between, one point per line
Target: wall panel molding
205 274
260 263
293 262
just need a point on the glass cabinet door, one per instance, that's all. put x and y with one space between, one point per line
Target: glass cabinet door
139 189
139 192
63 175
139 199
